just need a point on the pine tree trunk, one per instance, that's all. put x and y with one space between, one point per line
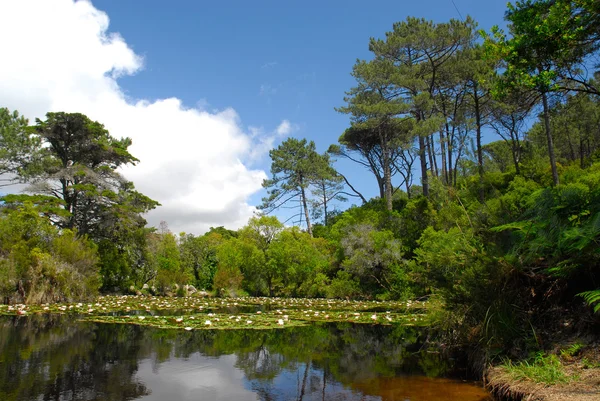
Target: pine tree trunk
387 171
549 138
450 162
430 152
308 226
443 153
423 158
479 148
324 206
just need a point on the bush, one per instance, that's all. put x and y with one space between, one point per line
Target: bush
40 264
343 286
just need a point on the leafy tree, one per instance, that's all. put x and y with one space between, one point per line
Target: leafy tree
199 255
372 256
509 119
327 187
550 40
166 257
80 168
418 51
261 232
477 72
19 149
40 263
298 258
222 231
380 142
295 165
235 256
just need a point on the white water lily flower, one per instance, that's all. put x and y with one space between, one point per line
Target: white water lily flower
188 328
141 317
179 320
280 322
208 323
374 317
249 322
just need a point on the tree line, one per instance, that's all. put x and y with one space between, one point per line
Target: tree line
474 224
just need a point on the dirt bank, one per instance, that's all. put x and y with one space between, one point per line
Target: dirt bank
585 388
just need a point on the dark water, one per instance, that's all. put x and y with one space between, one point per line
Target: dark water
58 358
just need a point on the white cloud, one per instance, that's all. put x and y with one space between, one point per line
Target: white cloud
59 56
263 142
285 128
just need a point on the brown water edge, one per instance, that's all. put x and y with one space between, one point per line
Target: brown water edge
421 388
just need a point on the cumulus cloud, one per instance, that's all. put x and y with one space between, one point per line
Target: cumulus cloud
60 56
285 128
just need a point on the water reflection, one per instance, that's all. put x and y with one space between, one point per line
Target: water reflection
56 358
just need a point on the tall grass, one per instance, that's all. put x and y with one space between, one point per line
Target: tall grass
542 369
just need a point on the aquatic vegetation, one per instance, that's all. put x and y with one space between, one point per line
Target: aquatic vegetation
230 313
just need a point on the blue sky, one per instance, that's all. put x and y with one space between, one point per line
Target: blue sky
269 60
251 66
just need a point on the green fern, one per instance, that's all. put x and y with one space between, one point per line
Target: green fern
592 297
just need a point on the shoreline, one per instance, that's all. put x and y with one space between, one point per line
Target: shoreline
586 387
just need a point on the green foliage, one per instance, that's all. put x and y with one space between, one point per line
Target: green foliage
20 151
592 298
453 262
297 257
171 275
199 255
233 256
343 285
39 263
371 256
543 369
572 350
295 166
562 226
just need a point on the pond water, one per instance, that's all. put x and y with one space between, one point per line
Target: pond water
52 357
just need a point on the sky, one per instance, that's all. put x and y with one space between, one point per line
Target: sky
204 89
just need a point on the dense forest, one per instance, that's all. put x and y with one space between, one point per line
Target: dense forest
503 231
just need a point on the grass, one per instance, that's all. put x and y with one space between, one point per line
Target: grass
542 369
587 364
572 350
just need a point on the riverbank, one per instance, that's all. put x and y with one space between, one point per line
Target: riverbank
581 381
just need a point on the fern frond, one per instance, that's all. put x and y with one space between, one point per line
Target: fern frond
592 297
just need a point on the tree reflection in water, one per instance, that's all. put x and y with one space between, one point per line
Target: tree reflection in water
56 358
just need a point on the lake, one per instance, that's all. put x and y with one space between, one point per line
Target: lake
56 357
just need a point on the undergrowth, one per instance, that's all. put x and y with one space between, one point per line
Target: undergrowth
542 369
